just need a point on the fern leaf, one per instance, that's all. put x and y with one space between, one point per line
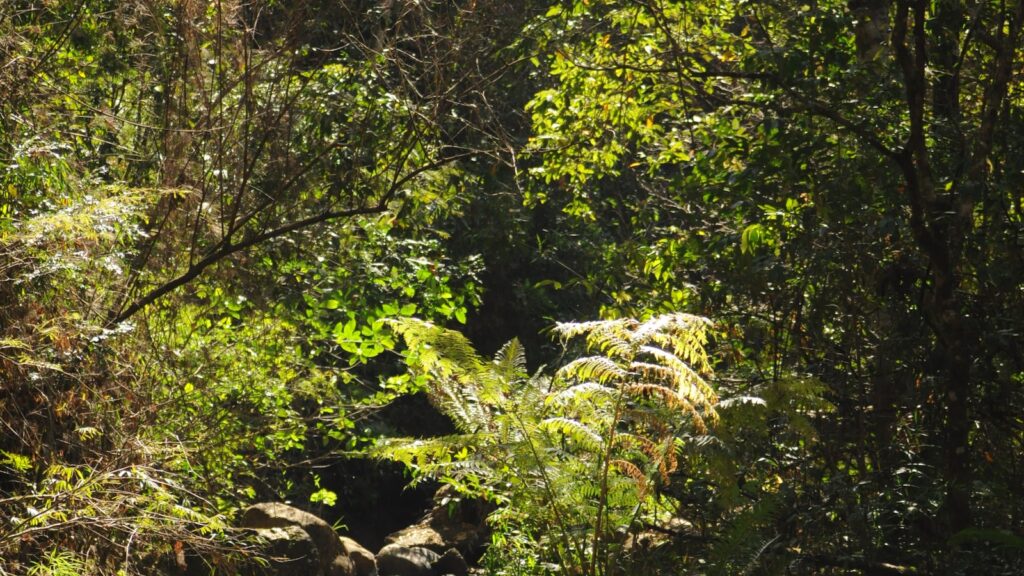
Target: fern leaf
597 368
684 335
669 397
436 350
612 338
683 375
738 400
573 329
460 403
574 430
628 440
511 360
633 471
582 392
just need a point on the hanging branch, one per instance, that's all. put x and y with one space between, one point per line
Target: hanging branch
226 247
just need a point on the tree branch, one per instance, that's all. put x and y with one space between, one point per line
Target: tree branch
227 248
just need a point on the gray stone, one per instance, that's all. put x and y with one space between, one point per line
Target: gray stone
362 559
451 563
328 546
398 560
453 522
290 550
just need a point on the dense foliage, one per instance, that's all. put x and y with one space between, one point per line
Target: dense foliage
233 233
574 460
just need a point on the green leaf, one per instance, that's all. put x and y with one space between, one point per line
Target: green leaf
324 496
752 238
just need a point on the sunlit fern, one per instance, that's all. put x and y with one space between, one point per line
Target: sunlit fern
580 453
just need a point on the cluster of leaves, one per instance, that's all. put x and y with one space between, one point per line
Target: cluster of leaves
207 212
77 481
203 218
832 181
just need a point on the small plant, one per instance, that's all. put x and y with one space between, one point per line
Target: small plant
575 459
58 563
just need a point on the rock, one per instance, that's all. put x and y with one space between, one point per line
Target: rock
421 535
451 563
291 551
363 560
453 522
342 566
331 554
398 560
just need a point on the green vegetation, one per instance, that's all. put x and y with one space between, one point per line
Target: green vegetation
575 459
234 235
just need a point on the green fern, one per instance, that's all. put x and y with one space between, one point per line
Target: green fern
742 547
577 455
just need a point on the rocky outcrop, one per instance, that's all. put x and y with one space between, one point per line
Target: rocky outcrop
290 550
398 560
301 544
363 560
451 563
334 556
452 522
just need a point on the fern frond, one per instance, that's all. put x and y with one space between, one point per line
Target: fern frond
685 337
574 430
612 344
741 400
437 351
511 360
633 471
660 455
425 456
669 397
595 368
569 330
578 393
703 441
687 397
613 338
682 375
460 401
460 469
628 440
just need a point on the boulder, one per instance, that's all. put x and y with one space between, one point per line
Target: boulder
398 560
452 522
331 554
363 560
422 535
451 563
291 551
